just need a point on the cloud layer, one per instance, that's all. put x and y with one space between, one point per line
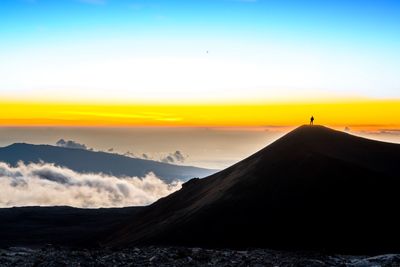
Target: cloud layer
48 185
176 157
171 158
70 144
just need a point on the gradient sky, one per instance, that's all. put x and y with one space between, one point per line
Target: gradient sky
213 81
198 52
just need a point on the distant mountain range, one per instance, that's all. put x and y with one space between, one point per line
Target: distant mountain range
85 161
314 188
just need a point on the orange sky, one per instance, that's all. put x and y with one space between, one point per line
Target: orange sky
365 114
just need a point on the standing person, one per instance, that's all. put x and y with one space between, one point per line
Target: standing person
312 120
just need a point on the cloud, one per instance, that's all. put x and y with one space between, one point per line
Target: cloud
70 144
176 157
49 185
390 131
387 132
129 154
172 158
179 156
168 159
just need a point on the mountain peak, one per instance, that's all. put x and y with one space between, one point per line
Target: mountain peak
322 140
312 127
315 131
312 188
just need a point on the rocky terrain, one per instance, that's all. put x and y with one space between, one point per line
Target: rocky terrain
177 256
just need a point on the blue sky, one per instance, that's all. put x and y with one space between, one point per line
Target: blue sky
368 20
274 49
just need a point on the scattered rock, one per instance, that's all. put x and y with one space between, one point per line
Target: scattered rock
382 260
178 256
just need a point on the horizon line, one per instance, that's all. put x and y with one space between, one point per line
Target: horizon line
370 113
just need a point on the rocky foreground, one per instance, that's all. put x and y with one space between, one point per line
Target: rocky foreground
175 256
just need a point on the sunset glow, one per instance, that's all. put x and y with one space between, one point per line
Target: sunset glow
212 63
363 114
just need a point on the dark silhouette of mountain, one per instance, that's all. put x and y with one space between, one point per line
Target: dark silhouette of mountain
314 188
81 160
66 226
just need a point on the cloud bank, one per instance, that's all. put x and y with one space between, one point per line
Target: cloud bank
171 158
176 157
70 144
49 185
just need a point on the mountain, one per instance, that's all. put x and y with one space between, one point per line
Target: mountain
314 188
66 226
81 160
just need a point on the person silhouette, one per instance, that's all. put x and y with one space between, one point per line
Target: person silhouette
312 120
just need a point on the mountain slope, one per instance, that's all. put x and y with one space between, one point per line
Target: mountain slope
89 161
313 188
66 226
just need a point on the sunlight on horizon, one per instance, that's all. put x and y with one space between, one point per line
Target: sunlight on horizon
366 115
211 63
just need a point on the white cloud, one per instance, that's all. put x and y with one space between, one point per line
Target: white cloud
175 157
172 157
70 144
390 131
49 185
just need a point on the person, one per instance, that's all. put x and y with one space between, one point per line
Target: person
312 120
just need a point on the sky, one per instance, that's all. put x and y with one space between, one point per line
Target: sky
204 82
208 63
208 51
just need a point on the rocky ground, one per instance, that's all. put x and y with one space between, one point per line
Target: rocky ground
174 256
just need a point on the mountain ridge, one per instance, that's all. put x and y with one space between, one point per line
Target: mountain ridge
85 161
285 195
